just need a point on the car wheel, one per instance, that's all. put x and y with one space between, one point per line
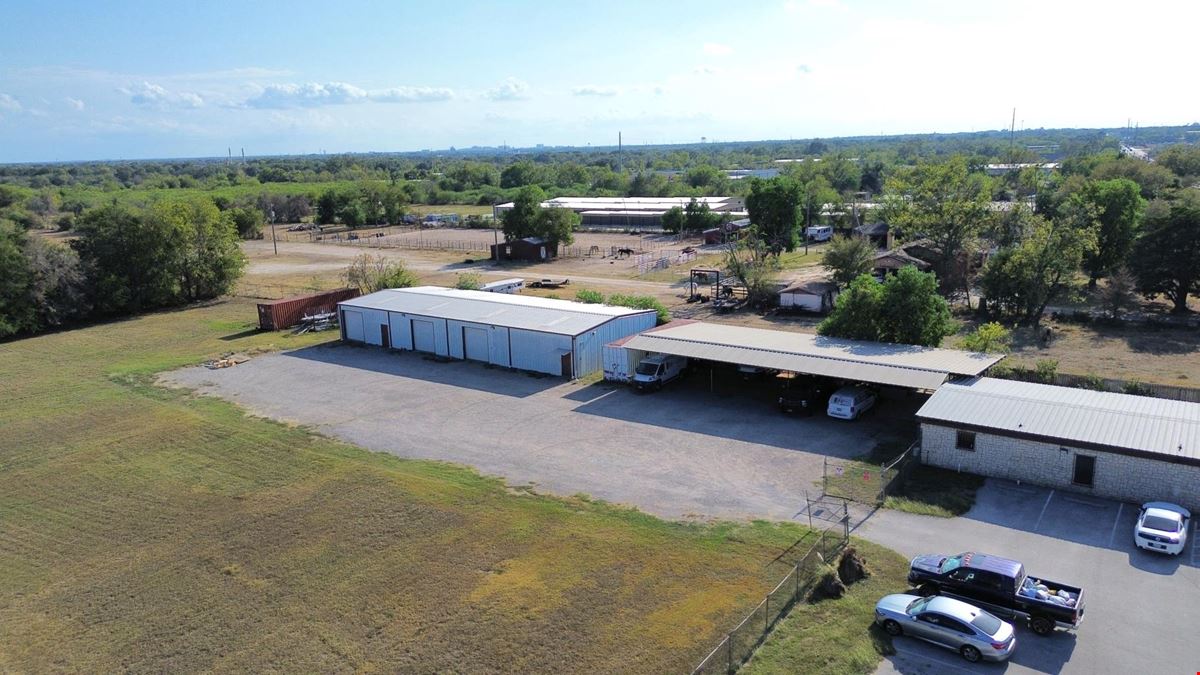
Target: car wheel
970 653
892 628
1042 626
927 590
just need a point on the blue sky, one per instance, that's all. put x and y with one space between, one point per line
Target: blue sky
112 80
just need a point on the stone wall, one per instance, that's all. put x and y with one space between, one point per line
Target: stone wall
1130 479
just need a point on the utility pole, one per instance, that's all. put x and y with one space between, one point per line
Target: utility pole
274 244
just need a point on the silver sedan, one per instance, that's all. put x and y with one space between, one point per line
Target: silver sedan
948 623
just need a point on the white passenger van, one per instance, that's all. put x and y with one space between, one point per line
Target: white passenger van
658 369
850 403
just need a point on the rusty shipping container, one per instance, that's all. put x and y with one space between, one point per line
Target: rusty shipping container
287 312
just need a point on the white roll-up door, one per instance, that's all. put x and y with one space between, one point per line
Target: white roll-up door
423 336
354 325
475 344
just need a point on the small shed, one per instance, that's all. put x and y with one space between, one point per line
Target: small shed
287 312
529 249
813 295
890 262
730 231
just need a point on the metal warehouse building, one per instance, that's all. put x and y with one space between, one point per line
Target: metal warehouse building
879 363
1133 448
556 337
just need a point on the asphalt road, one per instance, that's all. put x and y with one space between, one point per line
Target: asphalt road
1141 608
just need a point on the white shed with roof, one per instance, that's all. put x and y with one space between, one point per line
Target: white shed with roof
556 337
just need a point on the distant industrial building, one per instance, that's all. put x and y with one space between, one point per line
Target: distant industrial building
1001 169
542 335
1120 446
632 212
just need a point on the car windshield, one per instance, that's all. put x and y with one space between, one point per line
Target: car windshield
986 623
916 606
647 368
951 563
1160 523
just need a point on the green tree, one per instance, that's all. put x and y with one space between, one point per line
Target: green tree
521 174
1152 178
855 314
947 204
706 177
58 286
912 312
1166 258
991 338
774 207
131 259
206 260
1182 159
17 311
648 184
848 258
698 217
673 220
556 226
1120 293
248 220
1025 279
521 220
328 205
750 261
1118 208
904 309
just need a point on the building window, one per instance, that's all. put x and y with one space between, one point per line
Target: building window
965 440
1085 470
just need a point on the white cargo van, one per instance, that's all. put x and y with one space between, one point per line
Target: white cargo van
656 370
819 233
849 403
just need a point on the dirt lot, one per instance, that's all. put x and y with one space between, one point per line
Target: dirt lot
681 452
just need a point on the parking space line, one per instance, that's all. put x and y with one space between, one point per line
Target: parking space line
1043 513
1195 532
1113 537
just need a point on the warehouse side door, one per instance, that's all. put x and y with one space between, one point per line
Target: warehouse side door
423 336
475 344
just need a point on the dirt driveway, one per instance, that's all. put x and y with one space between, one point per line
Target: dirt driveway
678 453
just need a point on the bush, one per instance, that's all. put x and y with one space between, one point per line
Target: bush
1137 388
1093 382
990 337
1045 370
641 302
590 297
467 281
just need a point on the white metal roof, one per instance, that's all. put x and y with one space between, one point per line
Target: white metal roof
901 365
633 204
547 315
1106 420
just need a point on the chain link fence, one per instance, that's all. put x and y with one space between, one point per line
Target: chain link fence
867 482
739 644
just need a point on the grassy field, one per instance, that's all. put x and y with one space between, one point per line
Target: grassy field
835 637
145 529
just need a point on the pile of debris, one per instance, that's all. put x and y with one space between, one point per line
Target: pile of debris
316 322
226 361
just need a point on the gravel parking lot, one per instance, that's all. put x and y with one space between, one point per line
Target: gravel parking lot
1140 607
679 453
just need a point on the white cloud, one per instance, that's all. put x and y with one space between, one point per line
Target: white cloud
511 89
594 90
804 68
705 70
717 49
156 96
797 6
340 93
9 104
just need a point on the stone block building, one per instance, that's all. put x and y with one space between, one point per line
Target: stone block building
1119 446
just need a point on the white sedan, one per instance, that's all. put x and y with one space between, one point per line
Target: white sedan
1162 527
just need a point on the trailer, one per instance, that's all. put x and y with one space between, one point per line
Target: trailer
504 286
